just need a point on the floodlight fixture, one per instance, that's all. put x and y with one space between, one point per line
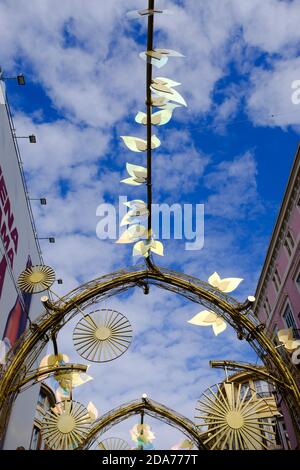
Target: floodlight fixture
31 138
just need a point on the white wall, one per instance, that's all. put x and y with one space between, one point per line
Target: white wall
20 425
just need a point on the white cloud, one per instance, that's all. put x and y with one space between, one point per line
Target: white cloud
235 189
270 96
271 25
180 166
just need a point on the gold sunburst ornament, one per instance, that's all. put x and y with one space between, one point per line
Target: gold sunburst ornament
235 418
113 443
102 335
36 279
66 425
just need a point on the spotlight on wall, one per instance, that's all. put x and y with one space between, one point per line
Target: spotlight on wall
50 239
43 200
20 78
32 138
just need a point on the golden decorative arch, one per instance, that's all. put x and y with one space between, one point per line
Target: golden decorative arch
57 314
150 408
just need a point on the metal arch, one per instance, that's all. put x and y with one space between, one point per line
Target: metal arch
151 408
235 366
33 376
57 314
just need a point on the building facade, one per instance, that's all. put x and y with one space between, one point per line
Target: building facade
278 291
46 401
258 389
19 248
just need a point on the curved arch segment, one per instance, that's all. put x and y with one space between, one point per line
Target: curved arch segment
57 314
151 408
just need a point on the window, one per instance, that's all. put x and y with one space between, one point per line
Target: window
267 307
290 321
276 280
290 239
36 439
298 280
268 438
274 335
42 399
289 243
289 318
286 245
245 392
262 388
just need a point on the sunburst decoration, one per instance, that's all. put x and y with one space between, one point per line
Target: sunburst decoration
102 335
36 279
113 443
66 425
231 418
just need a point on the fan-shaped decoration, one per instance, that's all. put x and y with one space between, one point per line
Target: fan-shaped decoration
36 279
66 425
113 443
102 335
230 420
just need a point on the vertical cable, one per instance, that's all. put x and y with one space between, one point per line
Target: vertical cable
150 34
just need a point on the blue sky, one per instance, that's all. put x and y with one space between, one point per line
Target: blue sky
231 149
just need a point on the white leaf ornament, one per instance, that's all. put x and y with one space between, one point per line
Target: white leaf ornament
135 144
209 318
225 285
132 234
138 175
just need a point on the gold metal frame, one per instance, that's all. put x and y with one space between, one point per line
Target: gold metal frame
151 408
57 314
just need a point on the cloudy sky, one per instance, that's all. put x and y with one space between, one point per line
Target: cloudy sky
231 149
